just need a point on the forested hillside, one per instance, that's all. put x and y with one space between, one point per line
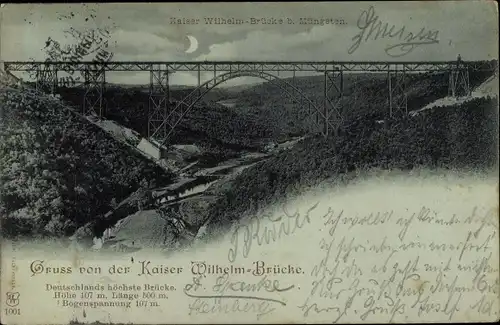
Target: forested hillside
58 170
363 94
207 124
455 137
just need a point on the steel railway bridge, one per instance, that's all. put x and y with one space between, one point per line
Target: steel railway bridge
164 116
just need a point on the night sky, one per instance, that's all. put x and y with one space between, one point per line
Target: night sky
145 32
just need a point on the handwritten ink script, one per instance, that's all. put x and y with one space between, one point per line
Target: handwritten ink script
256 232
404 41
332 264
427 269
255 296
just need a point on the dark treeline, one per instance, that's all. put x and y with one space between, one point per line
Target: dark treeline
463 137
58 171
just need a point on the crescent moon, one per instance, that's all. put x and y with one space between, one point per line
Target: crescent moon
193 44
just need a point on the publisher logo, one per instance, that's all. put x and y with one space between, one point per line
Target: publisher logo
12 299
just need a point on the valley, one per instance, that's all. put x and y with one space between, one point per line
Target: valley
239 150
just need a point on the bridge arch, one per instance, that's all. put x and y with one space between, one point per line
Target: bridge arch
176 115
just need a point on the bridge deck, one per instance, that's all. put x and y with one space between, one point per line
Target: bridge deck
306 66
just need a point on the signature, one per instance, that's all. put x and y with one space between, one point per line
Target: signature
284 225
224 285
371 27
229 296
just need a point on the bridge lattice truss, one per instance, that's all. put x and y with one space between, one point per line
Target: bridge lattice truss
164 115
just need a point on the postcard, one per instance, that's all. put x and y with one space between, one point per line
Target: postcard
265 163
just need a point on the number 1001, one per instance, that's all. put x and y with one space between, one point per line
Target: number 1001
12 311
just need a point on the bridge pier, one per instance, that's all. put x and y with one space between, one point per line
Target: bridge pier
297 104
199 81
398 101
95 80
46 78
159 103
333 95
458 85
